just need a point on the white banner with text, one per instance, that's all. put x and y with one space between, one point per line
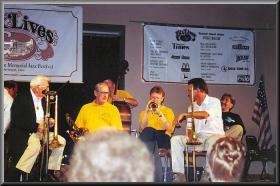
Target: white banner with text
178 54
43 40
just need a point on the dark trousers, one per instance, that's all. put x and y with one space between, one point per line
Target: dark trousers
151 134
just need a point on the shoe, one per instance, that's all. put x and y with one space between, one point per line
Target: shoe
205 177
23 176
52 176
179 177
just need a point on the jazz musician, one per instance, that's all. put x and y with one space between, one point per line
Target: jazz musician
26 131
99 113
155 124
119 95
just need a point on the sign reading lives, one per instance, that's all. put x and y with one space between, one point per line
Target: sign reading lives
178 54
42 40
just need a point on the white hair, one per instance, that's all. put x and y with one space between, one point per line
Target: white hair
110 155
225 161
37 80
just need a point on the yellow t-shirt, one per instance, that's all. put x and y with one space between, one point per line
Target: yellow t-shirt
155 122
93 116
121 94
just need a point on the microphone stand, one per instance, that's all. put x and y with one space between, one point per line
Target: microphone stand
45 149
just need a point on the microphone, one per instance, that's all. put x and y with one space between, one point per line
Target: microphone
54 92
45 91
66 83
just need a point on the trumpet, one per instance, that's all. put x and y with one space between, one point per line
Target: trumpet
76 132
153 106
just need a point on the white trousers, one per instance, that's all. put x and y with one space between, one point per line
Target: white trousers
178 146
33 149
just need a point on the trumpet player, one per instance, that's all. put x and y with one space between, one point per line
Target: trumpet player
155 124
26 130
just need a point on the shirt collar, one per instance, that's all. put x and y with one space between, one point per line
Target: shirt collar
34 97
205 101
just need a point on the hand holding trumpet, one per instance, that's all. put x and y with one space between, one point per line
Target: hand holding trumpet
153 107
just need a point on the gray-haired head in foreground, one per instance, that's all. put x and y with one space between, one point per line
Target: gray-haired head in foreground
109 155
225 161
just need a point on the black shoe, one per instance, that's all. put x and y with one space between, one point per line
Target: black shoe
51 176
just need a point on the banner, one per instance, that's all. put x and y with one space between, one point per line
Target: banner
42 40
178 54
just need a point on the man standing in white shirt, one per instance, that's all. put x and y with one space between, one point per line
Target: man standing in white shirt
10 91
208 125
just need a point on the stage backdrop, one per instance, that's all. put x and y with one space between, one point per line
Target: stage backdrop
179 53
43 40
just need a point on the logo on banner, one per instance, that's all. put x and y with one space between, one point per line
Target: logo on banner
185 76
24 39
185 67
225 68
241 78
239 38
243 58
185 35
240 47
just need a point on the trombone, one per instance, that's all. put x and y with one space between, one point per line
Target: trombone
193 137
51 99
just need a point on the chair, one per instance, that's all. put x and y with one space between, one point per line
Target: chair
255 154
194 170
166 156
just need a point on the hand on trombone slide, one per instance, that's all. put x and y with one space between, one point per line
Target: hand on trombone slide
179 119
41 126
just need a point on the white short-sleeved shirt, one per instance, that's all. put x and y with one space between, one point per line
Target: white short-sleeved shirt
214 123
8 100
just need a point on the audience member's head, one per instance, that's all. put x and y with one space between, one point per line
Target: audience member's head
225 160
109 155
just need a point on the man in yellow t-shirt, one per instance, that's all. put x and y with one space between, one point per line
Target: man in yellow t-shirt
156 127
156 123
99 113
119 95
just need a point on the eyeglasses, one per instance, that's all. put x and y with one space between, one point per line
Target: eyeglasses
103 92
43 87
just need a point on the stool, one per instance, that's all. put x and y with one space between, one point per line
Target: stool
192 144
164 153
